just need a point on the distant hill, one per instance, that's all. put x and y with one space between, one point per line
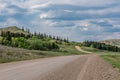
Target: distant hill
115 42
13 29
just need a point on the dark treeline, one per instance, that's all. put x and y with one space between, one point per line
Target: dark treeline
37 41
101 46
44 36
39 35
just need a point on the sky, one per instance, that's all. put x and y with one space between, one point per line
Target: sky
78 20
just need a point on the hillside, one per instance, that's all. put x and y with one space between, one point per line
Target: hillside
15 46
13 29
21 38
114 42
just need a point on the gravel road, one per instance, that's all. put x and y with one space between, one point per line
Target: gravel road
81 67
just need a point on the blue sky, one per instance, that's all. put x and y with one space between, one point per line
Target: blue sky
78 20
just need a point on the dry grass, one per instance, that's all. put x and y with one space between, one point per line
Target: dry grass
10 54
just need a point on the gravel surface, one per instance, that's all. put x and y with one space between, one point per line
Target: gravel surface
84 67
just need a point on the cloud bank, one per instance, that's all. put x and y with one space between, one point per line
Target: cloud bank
78 20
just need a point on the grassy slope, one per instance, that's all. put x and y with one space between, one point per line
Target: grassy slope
13 29
115 42
10 54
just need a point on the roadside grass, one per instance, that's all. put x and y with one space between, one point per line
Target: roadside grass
113 59
10 54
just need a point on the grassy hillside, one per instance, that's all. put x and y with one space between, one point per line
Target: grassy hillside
14 47
13 29
114 42
16 37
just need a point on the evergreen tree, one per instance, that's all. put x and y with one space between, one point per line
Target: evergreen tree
23 28
101 46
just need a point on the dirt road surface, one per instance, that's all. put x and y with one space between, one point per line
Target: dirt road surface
81 67
79 49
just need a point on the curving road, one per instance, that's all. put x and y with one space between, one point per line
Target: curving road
82 67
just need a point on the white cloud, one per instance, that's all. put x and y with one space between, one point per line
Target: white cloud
84 29
68 10
41 5
46 15
116 26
